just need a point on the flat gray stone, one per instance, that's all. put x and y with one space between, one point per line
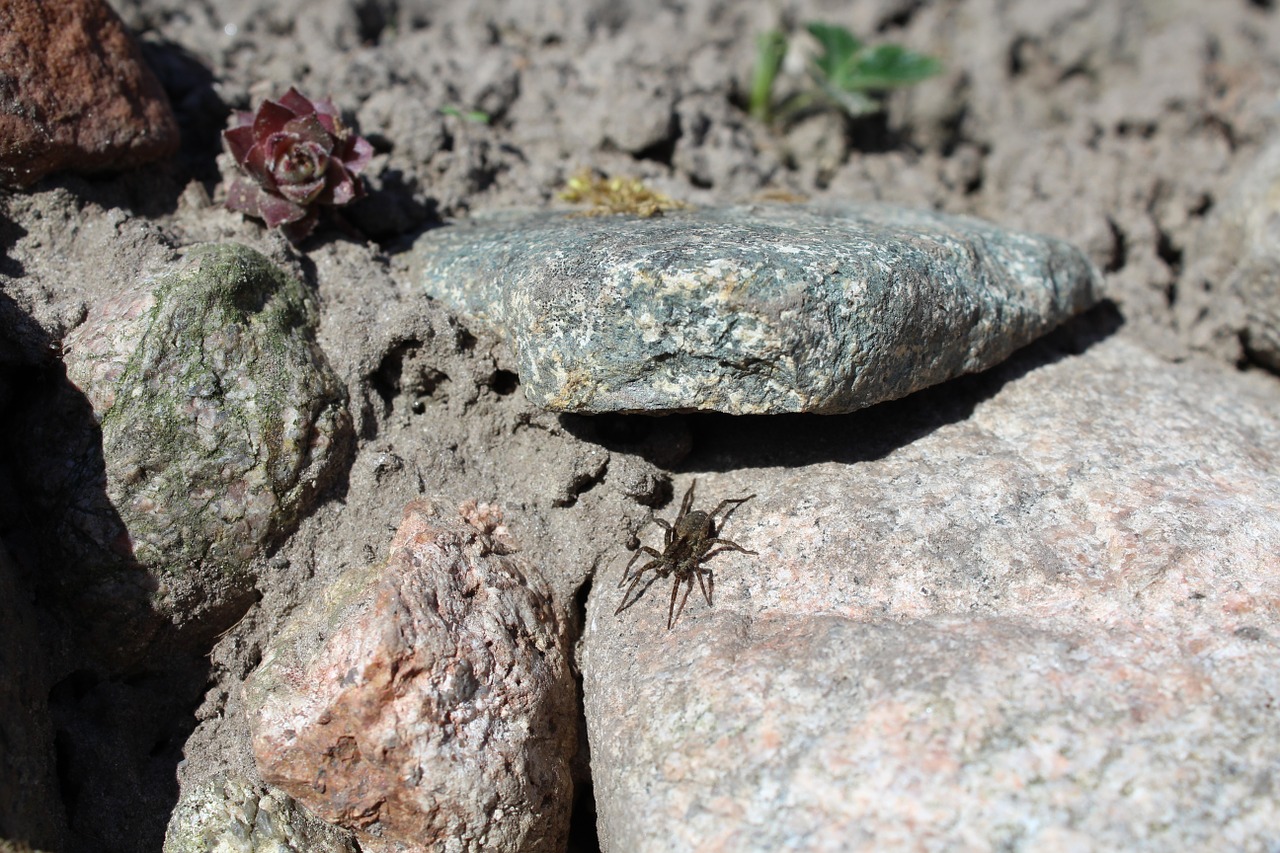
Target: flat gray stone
751 309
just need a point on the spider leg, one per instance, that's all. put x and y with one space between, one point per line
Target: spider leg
717 552
623 605
725 545
626 571
687 503
652 519
643 549
656 566
688 587
675 588
698 572
733 503
670 533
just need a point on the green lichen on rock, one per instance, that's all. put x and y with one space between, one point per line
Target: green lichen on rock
219 412
220 416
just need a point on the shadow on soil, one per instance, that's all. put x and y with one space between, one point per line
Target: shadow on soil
708 441
109 701
724 442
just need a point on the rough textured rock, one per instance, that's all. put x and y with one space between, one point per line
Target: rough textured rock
427 703
30 809
232 815
220 421
76 93
1257 281
753 309
1049 623
1239 252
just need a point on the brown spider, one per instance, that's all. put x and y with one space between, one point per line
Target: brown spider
688 543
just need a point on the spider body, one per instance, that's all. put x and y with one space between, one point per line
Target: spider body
688 542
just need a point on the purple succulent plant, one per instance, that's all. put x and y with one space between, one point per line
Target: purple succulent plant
297 155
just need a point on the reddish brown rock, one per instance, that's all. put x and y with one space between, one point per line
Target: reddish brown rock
75 93
427 703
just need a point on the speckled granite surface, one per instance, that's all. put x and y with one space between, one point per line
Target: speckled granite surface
751 309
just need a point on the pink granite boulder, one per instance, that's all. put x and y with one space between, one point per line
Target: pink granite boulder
1049 625
427 703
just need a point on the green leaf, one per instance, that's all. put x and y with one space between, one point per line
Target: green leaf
887 65
839 48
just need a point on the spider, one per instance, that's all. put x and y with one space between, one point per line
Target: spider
688 543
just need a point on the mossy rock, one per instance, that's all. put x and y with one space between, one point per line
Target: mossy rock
220 421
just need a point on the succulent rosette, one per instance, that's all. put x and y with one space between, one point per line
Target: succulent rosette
297 155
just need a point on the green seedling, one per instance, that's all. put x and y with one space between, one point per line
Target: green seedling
478 116
846 74
771 49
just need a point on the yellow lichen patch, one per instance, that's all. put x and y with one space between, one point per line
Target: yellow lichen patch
577 388
615 195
